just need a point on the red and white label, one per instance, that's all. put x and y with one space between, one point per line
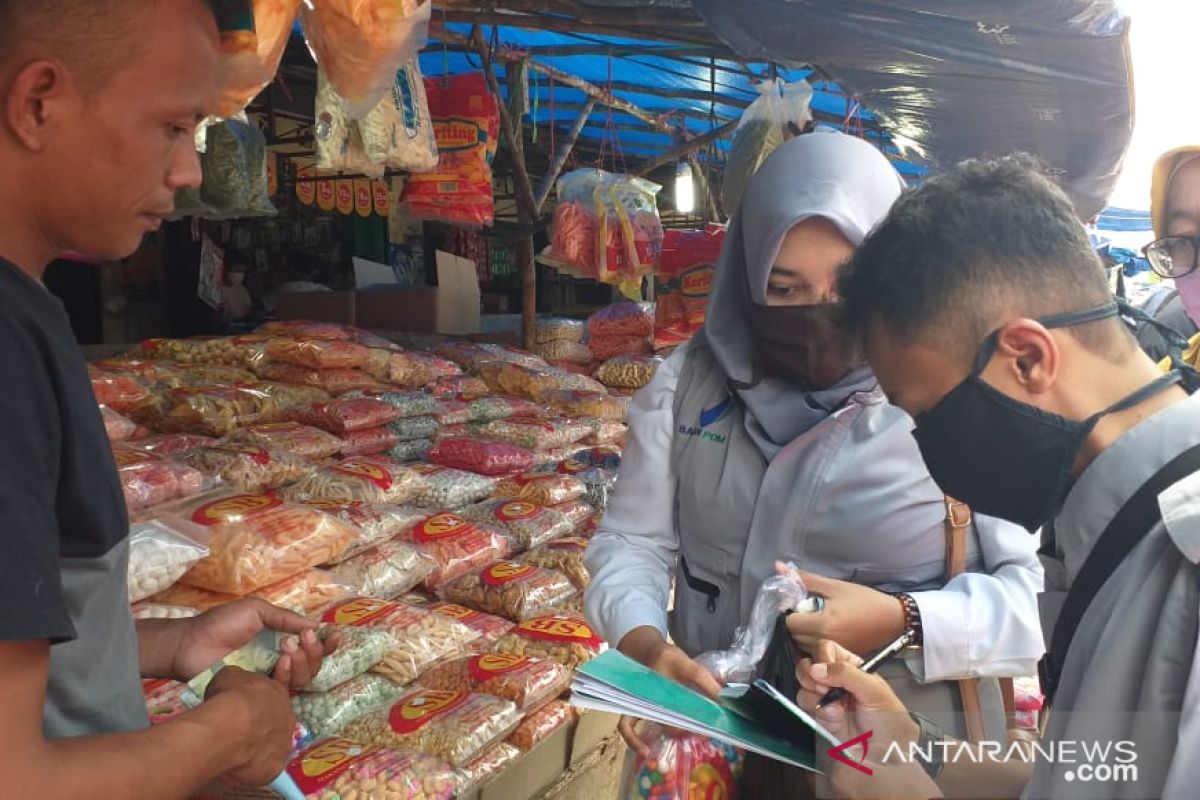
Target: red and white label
505 572
485 667
366 470
569 628
416 710
235 508
440 526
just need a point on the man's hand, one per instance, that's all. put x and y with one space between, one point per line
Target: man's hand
264 707
208 638
859 618
647 646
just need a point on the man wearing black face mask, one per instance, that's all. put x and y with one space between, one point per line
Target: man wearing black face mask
987 317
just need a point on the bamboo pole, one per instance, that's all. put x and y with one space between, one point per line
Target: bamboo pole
559 158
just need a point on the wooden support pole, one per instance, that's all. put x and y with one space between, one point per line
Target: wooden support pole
526 209
559 158
685 149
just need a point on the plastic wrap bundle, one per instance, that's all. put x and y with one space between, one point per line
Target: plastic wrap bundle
606 227
780 112
466 120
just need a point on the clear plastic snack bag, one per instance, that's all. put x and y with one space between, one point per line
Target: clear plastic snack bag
457 545
346 415
316 353
781 112
778 594
369 442
248 467
159 557
481 456
489 627
292 437
563 637
544 489
307 593
527 524
149 480
528 682
540 725
682 766
564 555
386 571
376 523
358 651
326 713
370 479
510 589
340 769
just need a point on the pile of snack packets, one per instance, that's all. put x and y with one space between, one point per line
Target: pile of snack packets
441 532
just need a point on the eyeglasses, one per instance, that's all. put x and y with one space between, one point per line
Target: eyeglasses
1173 256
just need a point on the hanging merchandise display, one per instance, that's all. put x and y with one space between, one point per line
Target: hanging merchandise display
362 43
466 120
781 111
606 227
685 279
235 171
252 48
397 133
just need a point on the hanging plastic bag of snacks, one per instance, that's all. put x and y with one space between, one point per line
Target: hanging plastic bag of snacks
375 523
420 638
466 120
332 381
455 726
149 480
256 540
457 545
248 467
369 442
489 627
326 713
630 372
360 44
405 452
528 682
570 352
463 387
509 589
346 415
565 638
482 457
209 411
540 725
411 429
307 593
526 524
158 558
291 437
564 555
781 111
558 329
386 571
333 769
235 170
548 434
685 279
370 479
681 766
316 353
452 488
541 488
252 57
359 650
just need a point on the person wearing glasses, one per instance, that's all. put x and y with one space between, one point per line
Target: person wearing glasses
766 438
1175 252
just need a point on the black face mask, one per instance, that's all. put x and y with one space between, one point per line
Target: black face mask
1005 458
803 344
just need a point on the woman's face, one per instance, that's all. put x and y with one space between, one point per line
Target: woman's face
805 271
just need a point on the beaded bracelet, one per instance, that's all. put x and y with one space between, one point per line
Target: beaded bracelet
912 618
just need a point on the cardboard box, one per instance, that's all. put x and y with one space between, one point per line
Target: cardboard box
336 306
452 308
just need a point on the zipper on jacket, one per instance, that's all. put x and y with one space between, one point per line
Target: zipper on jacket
709 590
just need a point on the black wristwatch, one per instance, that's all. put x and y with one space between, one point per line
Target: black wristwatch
929 733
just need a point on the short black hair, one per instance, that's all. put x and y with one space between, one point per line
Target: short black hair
983 239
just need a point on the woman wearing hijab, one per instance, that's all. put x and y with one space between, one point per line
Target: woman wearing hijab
766 439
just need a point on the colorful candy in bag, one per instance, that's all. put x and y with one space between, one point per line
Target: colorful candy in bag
455 726
405 452
509 589
482 457
412 429
149 480
528 682
682 766
248 467
466 121
256 539
463 387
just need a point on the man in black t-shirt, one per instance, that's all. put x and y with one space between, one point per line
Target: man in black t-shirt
101 99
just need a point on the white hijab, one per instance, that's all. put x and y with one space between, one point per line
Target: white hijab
831 175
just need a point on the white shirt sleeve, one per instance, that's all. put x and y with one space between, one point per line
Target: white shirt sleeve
985 623
632 556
